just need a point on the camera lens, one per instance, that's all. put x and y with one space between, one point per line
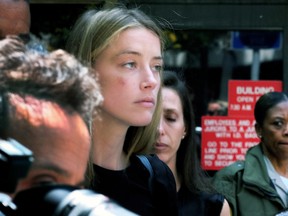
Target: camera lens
64 200
41 200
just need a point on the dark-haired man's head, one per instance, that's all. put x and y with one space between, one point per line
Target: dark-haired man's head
46 103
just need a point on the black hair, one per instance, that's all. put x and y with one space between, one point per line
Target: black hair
266 102
187 162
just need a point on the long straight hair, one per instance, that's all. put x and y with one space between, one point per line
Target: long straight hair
187 161
92 33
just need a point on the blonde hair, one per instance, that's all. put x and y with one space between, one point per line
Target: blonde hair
92 33
95 29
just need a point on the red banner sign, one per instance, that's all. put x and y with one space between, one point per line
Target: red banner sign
243 95
225 140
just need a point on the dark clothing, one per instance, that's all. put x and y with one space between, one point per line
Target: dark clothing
247 186
130 187
202 204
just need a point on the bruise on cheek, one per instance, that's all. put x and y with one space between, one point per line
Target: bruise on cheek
121 81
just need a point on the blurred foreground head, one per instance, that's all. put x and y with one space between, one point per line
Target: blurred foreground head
46 102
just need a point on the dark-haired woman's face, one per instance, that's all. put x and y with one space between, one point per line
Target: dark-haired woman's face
171 127
274 132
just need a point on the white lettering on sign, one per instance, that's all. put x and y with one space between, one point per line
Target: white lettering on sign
250 129
223 144
237 135
249 90
250 144
209 157
223 135
244 123
212 144
208 163
250 135
215 129
211 150
246 107
228 150
235 107
225 140
233 128
236 144
222 163
245 99
219 122
224 157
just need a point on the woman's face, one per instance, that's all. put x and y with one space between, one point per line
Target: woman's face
274 131
129 74
171 128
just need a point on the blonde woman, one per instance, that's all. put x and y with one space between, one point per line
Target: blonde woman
124 46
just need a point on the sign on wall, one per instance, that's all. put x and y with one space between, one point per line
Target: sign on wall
226 139
243 95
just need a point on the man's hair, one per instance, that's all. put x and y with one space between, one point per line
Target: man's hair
56 76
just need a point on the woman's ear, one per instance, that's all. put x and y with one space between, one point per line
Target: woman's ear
184 133
258 130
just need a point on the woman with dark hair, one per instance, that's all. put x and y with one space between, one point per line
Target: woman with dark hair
259 185
176 146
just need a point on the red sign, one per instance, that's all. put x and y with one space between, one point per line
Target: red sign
225 140
243 95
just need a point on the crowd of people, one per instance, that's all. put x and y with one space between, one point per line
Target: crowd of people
105 116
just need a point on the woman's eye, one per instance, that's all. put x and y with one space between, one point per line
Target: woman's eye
170 119
130 65
158 68
278 123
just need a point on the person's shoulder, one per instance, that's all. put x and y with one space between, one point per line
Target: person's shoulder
164 186
227 180
211 197
224 179
153 158
162 176
158 165
231 169
199 202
